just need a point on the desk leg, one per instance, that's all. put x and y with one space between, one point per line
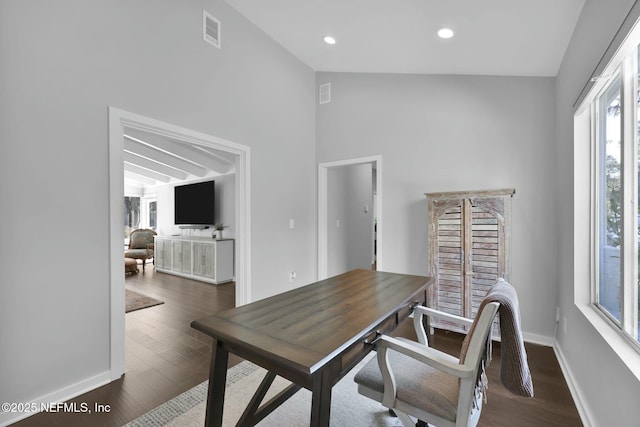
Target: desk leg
217 383
321 401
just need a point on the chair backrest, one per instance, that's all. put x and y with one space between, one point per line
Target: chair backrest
140 238
475 354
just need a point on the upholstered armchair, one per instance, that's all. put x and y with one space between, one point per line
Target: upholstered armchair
141 245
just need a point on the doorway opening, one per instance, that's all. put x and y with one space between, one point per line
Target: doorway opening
328 173
120 120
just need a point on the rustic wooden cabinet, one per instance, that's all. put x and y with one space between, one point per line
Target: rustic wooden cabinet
468 248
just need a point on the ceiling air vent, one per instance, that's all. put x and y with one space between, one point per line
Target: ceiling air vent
324 94
211 29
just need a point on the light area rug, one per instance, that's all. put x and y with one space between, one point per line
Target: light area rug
348 408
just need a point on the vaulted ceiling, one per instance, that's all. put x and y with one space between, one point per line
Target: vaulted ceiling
491 37
151 160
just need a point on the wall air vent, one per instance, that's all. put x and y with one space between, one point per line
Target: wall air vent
211 29
324 94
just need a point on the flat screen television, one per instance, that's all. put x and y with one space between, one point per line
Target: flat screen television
194 203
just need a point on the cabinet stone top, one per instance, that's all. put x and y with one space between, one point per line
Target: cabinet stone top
190 238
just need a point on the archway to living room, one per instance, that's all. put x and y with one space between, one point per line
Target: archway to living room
121 123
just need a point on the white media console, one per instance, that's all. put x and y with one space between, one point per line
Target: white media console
198 258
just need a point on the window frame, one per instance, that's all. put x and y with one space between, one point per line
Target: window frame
625 65
145 203
599 187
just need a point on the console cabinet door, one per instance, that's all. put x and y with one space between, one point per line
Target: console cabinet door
204 259
162 252
182 257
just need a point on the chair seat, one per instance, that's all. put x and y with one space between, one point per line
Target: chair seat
418 384
138 253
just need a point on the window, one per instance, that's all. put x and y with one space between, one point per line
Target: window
131 215
149 212
152 214
615 166
610 227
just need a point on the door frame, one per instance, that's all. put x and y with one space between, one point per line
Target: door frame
323 169
118 120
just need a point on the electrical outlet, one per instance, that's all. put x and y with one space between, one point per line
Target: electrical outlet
564 325
292 276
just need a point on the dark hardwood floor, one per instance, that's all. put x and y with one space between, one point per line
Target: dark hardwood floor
165 357
552 404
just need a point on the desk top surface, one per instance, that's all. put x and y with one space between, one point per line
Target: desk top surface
306 327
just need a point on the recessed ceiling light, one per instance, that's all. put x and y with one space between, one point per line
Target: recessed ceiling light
445 33
329 40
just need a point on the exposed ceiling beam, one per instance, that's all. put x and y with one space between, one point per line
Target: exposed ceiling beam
154 166
146 172
144 150
139 179
216 163
228 157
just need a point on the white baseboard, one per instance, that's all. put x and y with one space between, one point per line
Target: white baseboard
58 396
583 410
538 339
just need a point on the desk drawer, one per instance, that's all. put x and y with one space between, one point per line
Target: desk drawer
406 311
360 349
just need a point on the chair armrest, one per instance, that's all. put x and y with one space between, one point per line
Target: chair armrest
386 342
420 311
424 356
426 311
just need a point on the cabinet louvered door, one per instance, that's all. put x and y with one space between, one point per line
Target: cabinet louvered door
469 248
489 246
487 260
447 257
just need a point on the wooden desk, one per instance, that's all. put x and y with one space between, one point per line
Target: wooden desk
311 336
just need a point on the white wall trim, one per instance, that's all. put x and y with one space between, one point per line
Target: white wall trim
578 399
118 120
322 206
538 339
116 218
61 395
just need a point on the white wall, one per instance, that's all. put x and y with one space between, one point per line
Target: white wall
56 84
606 389
441 133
